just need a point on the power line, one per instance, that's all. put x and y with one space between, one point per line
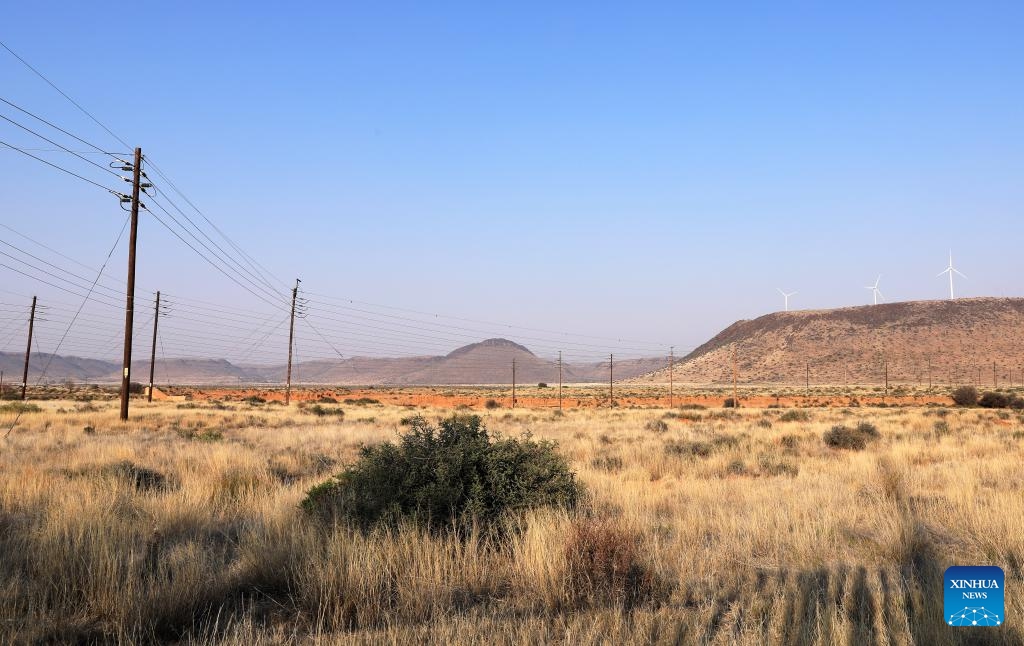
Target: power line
72 322
73 102
105 169
201 255
62 169
56 127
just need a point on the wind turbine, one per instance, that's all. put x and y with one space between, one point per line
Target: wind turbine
786 296
949 270
874 289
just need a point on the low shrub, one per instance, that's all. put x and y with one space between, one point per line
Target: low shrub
324 411
142 478
437 475
965 396
491 404
607 463
993 400
656 426
363 401
854 439
867 429
771 466
20 407
730 403
795 416
604 566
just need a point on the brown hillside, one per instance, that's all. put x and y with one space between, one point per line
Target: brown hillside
959 339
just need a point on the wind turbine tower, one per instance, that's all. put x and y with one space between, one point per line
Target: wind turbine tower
949 270
786 296
874 289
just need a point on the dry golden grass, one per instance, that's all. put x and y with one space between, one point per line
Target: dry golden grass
726 527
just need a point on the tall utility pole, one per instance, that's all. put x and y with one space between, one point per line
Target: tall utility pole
611 373
994 379
152 355
671 365
28 349
735 396
291 342
807 377
886 394
129 310
559 380
929 372
513 382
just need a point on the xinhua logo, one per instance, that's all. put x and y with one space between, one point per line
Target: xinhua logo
974 595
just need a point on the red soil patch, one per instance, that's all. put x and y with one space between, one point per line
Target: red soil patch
430 397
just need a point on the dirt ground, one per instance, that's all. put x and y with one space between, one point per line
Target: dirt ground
577 397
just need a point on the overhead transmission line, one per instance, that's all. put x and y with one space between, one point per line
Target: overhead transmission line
121 196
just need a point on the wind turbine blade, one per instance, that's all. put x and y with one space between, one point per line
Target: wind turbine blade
958 273
880 295
780 291
942 272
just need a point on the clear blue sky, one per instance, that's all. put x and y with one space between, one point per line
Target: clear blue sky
650 171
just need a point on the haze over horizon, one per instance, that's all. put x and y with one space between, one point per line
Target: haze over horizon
583 177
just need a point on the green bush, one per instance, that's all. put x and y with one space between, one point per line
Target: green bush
965 396
993 400
324 411
854 439
363 401
491 404
20 407
868 430
454 472
794 416
656 426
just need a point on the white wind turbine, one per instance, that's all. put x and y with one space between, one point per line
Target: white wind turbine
874 289
786 296
949 270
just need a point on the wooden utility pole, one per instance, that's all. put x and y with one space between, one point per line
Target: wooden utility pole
28 349
994 378
671 366
807 377
735 397
611 374
513 382
291 342
129 311
152 355
886 377
559 380
929 372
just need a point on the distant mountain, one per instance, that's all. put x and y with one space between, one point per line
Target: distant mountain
960 339
486 362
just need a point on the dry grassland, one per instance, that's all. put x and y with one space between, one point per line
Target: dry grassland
702 526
